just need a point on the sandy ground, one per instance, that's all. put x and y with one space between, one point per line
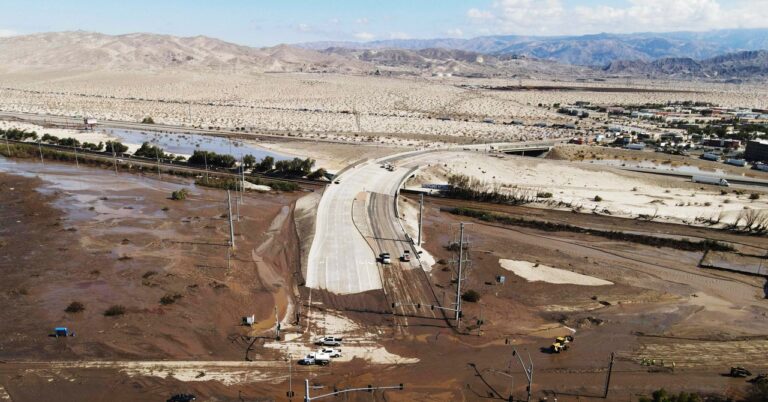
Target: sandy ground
359 343
575 186
80 135
333 157
400 112
535 272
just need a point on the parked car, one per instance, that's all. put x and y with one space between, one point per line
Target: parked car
331 352
329 341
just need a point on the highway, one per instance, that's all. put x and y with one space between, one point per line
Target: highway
356 220
341 260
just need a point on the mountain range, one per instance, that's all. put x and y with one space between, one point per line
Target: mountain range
143 51
586 50
675 55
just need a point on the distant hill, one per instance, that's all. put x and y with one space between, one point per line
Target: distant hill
587 50
142 51
748 64
497 57
148 52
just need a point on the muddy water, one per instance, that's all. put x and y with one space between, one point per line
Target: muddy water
186 144
90 193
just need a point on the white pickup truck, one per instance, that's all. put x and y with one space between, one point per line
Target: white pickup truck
329 341
330 352
320 359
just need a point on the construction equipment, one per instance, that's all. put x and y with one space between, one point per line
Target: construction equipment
739 372
561 343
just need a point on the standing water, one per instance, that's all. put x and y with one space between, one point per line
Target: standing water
186 144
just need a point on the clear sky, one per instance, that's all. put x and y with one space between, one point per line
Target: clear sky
265 23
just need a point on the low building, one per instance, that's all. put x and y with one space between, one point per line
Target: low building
721 143
757 151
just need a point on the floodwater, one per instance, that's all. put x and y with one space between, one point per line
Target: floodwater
688 169
92 193
186 144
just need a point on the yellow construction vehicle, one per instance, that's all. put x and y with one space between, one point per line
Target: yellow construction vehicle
561 343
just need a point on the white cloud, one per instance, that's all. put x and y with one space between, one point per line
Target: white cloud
399 35
551 17
7 32
480 15
303 28
334 21
455 33
362 21
364 36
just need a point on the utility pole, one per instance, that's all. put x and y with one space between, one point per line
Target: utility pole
114 157
458 280
527 370
231 225
277 325
40 147
608 378
205 160
77 164
421 214
290 377
237 204
7 145
158 162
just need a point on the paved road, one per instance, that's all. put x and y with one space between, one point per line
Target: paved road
341 260
347 241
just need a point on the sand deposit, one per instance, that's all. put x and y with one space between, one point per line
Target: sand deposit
358 342
534 272
575 186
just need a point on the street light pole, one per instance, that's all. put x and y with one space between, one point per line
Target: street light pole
421 213
527 370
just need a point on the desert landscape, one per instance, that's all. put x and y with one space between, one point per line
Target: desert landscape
185 218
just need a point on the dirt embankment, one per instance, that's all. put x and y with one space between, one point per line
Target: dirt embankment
76 239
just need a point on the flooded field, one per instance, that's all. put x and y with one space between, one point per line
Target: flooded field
186 144
90 236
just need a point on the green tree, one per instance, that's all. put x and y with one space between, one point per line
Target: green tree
116 147
317 174
249 161
266 164
150 151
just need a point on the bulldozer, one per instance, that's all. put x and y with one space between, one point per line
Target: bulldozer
561 343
